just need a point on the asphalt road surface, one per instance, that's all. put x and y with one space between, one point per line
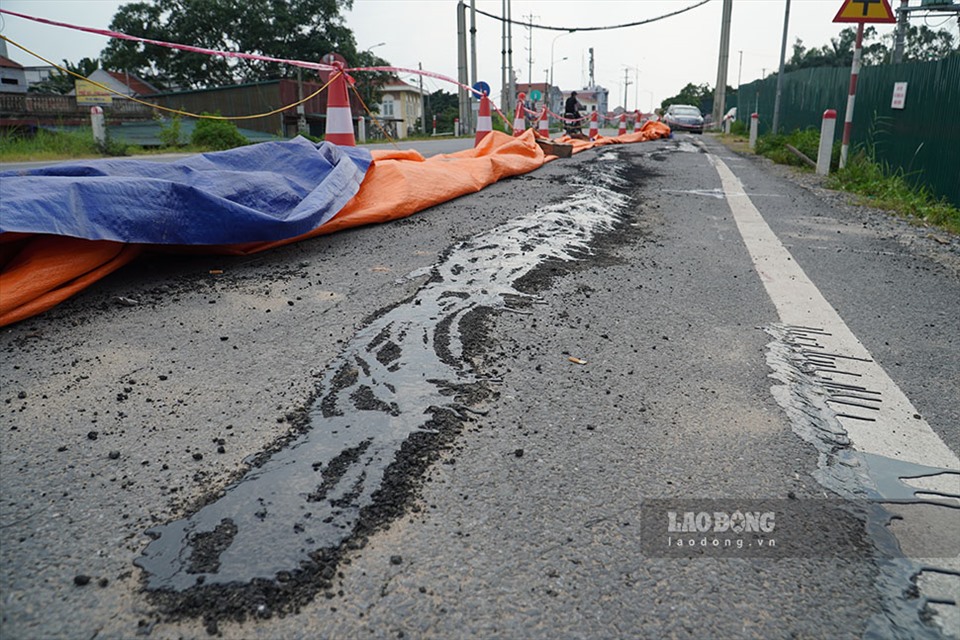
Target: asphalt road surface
655 390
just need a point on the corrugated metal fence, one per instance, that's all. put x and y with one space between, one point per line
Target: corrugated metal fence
922 140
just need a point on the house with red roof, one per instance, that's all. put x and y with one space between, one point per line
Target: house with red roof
13 78
124 83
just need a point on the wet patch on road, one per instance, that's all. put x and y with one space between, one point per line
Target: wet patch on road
386 408
816 389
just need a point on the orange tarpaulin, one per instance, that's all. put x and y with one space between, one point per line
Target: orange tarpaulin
40 271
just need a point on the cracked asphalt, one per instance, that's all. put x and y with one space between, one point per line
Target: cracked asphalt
636 372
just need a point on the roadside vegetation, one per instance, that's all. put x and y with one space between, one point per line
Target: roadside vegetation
47 145
874 183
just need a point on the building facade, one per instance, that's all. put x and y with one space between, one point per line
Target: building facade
401 108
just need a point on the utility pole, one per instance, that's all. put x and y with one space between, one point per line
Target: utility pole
530 18
720 93
783 57
472 123
626 83
464 105
740 72
592 84
504 89
901 32
423 109
511 76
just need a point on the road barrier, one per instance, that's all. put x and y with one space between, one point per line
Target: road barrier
484 120
339 118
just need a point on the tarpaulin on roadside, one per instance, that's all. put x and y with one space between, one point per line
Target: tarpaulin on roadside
650 130
268 191
40 271
403 182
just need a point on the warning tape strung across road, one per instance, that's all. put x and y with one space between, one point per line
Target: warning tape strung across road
200 116
170 45
250 56
226 54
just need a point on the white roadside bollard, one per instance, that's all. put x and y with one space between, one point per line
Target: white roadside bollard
827 128
726 125
362 129
99 128
754 125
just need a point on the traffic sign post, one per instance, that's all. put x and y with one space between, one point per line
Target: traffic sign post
860 12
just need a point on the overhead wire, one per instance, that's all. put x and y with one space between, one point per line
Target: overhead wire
202 116
607 28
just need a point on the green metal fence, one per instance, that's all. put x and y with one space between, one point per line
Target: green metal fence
922 139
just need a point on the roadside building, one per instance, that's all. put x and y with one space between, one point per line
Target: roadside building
13 79
401 107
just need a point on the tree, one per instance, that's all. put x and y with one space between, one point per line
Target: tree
923 44
63 83
700 96
292 29
444 105
920 44
691 94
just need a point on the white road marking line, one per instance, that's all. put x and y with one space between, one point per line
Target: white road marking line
898 431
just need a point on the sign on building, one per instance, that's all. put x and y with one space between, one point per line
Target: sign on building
89 93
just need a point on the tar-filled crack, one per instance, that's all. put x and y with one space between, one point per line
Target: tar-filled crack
393 401
867 481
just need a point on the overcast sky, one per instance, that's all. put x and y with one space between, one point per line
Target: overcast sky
658 58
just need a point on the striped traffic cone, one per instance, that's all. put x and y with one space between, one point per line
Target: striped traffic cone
484 121
622 131
544 129
339 117
519 123
636 121
594 126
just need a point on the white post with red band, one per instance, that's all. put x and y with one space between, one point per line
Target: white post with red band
622 129
99 127
339 117
827 129
594 125
852 97
636 121
754 128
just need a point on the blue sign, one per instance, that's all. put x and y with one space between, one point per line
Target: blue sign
481 87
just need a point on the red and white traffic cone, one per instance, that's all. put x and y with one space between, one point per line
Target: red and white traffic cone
544 129
484 121
622 131
594 125
519 123
339 117
636 121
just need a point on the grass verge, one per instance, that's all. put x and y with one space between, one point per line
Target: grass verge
874 184
47 145
880 187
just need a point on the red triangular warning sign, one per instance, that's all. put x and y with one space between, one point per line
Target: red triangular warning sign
865 11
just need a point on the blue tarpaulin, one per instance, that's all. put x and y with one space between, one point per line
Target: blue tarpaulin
264 192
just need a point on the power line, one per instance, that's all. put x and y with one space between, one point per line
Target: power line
607 28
